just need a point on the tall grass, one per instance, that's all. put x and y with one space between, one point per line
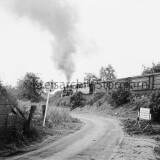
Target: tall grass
58 122
59 116
55 114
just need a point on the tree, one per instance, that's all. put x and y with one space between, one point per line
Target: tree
12 94
150 70
107 73
30 88
3 94
7 96
90 77
77 100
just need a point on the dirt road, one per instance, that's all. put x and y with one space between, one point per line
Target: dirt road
97 140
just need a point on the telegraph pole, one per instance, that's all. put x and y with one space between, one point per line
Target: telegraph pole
46 106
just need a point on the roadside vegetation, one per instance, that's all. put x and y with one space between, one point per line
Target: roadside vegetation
120 100
120 103
29 91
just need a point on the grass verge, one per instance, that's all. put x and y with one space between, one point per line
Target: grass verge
58 124
152 131
131 127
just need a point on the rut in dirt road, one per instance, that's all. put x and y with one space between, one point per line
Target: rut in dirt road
97 140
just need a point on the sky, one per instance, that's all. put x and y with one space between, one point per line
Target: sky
122 33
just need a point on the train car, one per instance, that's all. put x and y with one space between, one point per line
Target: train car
85 88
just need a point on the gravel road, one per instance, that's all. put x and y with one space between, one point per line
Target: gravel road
97 140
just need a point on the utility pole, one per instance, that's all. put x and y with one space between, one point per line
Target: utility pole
44 120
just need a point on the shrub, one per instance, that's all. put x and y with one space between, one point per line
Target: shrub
77 100
119 97
57 100
155 106
155 68
155 111
155 97
152 102
59 116
142 101
15 139
30 87
7 95
96 97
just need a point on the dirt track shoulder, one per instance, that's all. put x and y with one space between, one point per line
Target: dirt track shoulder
96 140
136 148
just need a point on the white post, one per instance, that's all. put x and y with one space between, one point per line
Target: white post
46 107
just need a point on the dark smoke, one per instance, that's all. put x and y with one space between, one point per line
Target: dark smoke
59 17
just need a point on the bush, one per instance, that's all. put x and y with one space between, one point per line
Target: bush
96 97
30 87
59 116
155 68
155 97
77 100
155 111
152 101
119 97
155 106
15 139
57 100
142 101
7 95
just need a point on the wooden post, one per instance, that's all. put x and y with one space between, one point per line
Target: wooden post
28 124
151 82
46 109
51 88
43 110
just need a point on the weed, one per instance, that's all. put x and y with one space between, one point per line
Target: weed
77 100
57 118
96 98
131 127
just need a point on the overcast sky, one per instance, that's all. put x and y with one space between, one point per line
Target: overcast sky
124 33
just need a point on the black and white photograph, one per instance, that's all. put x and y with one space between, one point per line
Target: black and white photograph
79 80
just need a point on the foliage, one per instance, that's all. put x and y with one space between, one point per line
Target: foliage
149 70
58 116
107 73
57 94
58 123
140 101
30 88
131 128
12 95
96 97
60 101
3 94
151 101
118 97
90 77
155 106
7 95
56 98
77 100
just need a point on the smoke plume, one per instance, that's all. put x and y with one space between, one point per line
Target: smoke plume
59 17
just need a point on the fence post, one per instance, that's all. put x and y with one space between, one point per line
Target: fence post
6 124
28 123
43 110
151 82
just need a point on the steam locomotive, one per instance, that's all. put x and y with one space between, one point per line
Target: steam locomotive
85 88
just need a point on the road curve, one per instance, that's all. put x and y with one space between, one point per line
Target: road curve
97 140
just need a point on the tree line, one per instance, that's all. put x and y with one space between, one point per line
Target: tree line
30 87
